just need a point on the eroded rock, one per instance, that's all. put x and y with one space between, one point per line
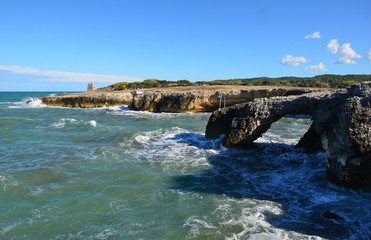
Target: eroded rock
204 100
341 127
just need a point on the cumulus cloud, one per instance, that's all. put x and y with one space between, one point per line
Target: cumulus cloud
345 52
315 35
333 46
344 60
62 76
290 60
348 52
369 54
320 67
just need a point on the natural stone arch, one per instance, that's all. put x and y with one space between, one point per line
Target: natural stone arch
244 123
341 126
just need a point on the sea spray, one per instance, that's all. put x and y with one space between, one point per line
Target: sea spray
31 103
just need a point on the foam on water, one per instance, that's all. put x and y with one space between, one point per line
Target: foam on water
92 123
7 182
125 111
291 173
31 103
174 148
66 122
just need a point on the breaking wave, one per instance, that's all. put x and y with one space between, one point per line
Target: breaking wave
31 103
71 122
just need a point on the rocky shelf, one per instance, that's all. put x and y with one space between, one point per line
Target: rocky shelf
177 99
89 99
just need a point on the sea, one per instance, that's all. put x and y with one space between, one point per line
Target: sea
114 173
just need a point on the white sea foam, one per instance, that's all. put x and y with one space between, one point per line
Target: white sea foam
31 103
125 111
64 122
7 182
61 123
234 221
9 227
93 123
105 234
37 191
174 148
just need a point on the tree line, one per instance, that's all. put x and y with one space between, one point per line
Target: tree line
319 81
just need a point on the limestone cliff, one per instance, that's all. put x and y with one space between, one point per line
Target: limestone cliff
173 100
177 99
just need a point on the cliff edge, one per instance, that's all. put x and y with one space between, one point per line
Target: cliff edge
173 99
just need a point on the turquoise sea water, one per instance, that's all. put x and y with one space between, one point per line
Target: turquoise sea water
112 173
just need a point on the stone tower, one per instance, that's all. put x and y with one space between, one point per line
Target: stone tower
91 87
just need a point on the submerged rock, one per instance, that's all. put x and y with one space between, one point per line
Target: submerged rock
341 127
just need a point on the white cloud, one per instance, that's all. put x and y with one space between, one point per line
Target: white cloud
344 60
345 52
320 67
369 54
61 76
315 35
333 46
293 61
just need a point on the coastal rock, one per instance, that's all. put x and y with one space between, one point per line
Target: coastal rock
89 99
176 100
155 101
244 123
341 127
344 123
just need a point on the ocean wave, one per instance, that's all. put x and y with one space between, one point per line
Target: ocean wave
65 122
29 103
175 148
7 182
125 111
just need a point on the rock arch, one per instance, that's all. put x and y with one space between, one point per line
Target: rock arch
341 126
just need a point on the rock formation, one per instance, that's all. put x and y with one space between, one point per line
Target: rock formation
176 99
341 127
172 100
89 99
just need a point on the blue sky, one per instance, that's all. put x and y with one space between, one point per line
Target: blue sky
64 44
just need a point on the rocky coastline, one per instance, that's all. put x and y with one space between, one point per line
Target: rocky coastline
89 99
177 99
341 127
341 118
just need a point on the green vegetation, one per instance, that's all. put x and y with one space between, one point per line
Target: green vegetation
148 83
320 81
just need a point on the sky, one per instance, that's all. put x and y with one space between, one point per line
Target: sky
61 45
